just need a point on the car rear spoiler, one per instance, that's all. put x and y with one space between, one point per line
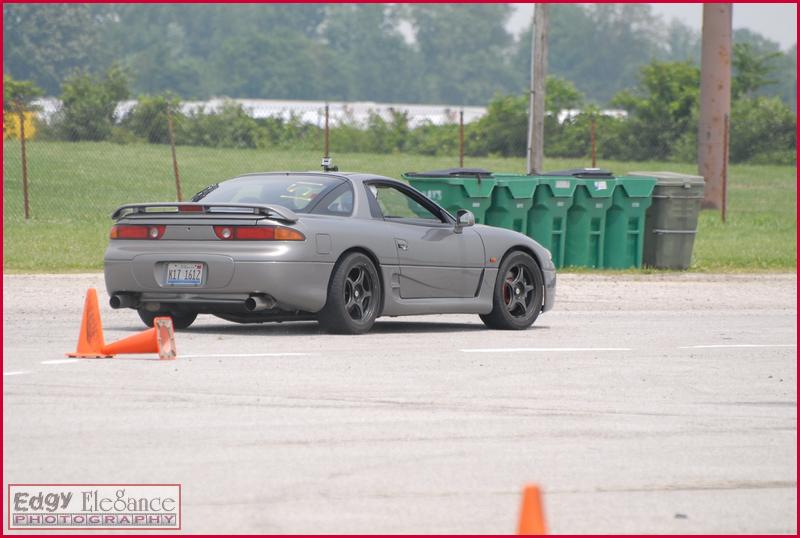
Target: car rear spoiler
170 209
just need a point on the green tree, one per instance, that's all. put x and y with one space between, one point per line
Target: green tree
19 93
447 53
89 104
682 43
787 73
562 138
276 65
45 42
783 65
661 108
463 50
503 130
430 139
168 46
600 48
18 96
763 129
166 65
561 94
388 136
752 70
374 61
573 138
228 127
148 119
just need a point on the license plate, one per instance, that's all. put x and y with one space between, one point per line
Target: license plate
184 274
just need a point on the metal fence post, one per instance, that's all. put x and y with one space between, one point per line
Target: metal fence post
327 133
25 202
725 149
461 138
174 155
594 146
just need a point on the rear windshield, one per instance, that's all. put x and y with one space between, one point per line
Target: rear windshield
297 192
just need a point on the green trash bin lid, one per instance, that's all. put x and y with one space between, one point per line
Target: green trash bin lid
521 186
598 181
450 172
582 173
598 188
561 187
478 183
637 186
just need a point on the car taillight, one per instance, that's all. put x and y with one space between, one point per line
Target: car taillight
258 233
187 208
137 231
254 233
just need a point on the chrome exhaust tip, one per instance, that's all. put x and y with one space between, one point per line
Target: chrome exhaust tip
123 300
257 303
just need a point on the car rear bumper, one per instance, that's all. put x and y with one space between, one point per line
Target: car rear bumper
226 282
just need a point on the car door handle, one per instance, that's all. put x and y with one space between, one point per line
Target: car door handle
402 244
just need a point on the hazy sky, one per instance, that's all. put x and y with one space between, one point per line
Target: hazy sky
775 21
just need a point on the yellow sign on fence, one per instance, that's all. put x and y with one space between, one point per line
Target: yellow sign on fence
11 125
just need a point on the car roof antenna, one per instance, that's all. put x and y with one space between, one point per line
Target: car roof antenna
327 165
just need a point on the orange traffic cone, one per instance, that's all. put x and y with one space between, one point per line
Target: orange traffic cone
90 339
531 517
160 339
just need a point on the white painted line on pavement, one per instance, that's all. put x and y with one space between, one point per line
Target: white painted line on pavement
61 361
724 346
522 349
210 356
15 373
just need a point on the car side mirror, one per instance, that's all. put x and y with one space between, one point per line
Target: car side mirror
464 219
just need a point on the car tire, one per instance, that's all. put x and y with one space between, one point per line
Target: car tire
518 293
354 296
179 321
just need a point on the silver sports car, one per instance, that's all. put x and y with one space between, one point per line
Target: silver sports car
341 248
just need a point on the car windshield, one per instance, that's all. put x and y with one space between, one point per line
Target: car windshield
297 191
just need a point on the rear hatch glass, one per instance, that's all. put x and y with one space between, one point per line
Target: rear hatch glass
296 192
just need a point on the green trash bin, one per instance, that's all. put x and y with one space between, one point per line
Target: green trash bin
512 198
671 223
625 221
456 188
586 222
547 218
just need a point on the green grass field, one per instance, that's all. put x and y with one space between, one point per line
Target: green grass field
74 187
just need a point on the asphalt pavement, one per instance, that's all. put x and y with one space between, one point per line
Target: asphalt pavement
640 404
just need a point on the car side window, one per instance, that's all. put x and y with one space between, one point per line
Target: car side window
338 202
342 205
397 205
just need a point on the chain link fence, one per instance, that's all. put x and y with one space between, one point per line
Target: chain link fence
66 170
68 165
156 149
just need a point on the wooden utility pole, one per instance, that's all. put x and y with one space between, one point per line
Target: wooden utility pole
715 100
536 98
